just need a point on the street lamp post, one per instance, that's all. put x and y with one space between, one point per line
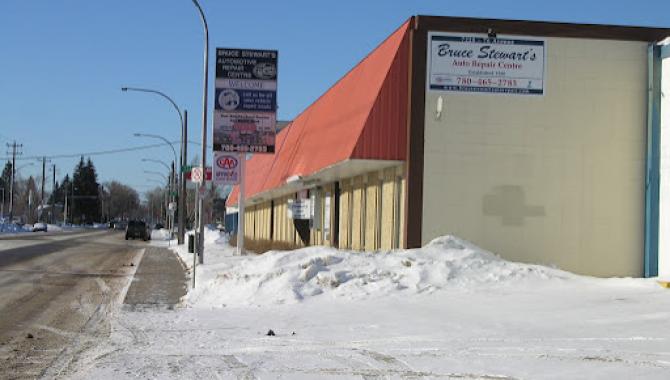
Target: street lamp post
170 169
158 182
203 162
182 158
167 199
175 160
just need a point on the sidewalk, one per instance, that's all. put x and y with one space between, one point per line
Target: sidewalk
160 281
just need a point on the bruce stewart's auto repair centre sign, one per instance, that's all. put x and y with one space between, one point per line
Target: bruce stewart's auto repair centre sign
476 63
245 106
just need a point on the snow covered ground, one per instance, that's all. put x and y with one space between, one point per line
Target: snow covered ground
448 310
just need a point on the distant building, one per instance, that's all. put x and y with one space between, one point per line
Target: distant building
539 141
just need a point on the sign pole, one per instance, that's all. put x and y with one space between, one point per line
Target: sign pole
240 207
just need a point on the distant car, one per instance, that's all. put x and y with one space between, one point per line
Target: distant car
37 227
120 225
137 229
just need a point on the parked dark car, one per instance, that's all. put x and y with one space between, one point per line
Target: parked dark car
137 229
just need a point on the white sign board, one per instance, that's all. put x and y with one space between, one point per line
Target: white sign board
226 168
299 208
326 217
477 63
196 174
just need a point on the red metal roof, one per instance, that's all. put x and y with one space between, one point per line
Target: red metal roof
362 116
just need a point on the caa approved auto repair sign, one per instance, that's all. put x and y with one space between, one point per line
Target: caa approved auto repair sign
226 168
477 63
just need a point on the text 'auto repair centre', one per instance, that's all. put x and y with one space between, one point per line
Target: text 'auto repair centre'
542 142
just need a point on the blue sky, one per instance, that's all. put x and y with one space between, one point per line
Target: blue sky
62 63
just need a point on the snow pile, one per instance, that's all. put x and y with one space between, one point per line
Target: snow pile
161 234
214 236
54 228
279 277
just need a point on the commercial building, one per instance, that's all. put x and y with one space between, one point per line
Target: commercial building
542 142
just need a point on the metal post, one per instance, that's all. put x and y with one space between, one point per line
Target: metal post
53 194
173 189
44 169
14 146
240 207
182 179
65 209
203 162
182 158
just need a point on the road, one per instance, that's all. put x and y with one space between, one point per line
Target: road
57 292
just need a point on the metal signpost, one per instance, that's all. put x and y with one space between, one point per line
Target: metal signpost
245 115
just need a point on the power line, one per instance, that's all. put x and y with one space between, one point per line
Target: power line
100 152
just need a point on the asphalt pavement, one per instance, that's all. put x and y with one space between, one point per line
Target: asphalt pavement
57 294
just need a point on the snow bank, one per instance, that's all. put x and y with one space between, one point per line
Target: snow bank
278 277
161 234
54 228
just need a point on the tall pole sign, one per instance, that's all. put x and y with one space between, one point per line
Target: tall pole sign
245 115
245 103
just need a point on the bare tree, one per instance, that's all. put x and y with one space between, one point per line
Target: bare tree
121 201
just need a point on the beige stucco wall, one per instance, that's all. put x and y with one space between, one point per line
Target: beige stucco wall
553 179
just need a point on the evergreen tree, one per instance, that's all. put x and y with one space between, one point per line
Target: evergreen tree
86 202
6 177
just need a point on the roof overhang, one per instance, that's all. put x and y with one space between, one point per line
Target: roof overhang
336 172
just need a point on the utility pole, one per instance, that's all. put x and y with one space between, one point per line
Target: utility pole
14 152
53 193
173 198
203 159
41 217
182 194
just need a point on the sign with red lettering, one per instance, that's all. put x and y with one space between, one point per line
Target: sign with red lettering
489 64
226 168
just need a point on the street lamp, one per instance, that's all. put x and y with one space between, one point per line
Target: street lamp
203 158
174 152
161 183
173 164
160 174
182 161
157 161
